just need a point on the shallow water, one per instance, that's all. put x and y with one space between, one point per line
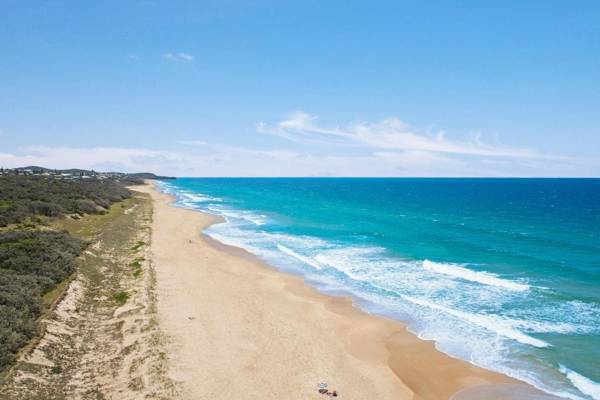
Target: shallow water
504 273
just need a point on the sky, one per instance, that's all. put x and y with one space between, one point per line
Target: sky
302 88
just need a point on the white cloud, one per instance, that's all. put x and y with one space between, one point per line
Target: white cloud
416 158
133 57
101 158
198 158
180 56
389 134
220 160
237 151
386 148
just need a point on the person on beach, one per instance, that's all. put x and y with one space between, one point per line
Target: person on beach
328 393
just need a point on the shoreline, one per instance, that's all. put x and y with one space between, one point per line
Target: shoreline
360 355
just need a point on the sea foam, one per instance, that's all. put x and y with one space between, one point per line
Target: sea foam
200 198
256 219
484 278
299 257
582 383
490 323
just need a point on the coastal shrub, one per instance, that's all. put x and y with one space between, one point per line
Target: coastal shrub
45 208
85 206
32 262
121 297
133 180
5 204
20 306
23 197
104 203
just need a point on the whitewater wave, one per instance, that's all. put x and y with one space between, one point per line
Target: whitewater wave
368 264
582 383
305 242
237 242
484 278
199 198
299 257
563 318
356 262
256 219
490 323
550 327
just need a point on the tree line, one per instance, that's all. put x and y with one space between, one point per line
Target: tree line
23 197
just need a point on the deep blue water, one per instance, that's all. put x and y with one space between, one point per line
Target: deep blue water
504 273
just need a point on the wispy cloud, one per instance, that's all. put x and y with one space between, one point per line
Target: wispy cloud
180 56
102 158
199 158
390 135
385 148
133 57
236 150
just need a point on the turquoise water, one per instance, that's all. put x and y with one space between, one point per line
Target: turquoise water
504 273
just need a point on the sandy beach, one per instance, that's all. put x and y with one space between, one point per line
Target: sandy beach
239 329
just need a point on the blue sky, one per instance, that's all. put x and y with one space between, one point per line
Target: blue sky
306 88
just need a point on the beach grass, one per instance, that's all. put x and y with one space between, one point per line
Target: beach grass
120 297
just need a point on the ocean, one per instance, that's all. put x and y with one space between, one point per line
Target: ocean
503 273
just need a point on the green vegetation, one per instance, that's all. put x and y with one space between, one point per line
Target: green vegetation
120 297
136 265
90 326
138 245
27 198
35 261
32 263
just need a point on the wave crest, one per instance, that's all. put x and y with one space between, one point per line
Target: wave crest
297 256
495 325
484 278
582 383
